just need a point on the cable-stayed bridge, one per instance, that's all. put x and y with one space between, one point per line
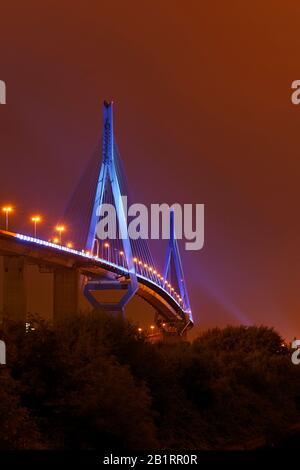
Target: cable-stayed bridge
108 272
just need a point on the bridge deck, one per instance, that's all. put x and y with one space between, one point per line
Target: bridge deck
49 254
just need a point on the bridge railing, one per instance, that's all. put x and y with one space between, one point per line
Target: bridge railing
116 260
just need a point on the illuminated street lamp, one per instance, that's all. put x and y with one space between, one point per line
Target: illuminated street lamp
70 245
35 219
7 210
106 245
60 229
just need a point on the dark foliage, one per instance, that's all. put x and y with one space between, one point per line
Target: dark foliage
93 382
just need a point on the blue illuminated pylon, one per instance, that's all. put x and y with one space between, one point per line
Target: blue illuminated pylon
108 175
173 255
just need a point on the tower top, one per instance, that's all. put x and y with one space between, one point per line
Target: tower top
107 103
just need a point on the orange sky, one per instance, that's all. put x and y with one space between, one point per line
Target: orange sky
203 114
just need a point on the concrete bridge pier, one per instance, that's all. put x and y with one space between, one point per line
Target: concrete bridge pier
14 288
66 293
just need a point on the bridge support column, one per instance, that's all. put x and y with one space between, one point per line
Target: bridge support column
66 293
14 288
114 294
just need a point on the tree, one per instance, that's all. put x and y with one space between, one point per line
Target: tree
18 429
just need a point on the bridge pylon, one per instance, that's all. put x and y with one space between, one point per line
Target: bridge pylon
173 270
109 182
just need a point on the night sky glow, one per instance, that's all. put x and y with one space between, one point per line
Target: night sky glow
202 115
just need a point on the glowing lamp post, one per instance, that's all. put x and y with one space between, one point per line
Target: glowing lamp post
60 229
106 246
35 219
7 210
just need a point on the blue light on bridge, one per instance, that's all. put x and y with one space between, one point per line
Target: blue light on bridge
85 255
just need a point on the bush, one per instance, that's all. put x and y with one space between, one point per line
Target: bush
93 382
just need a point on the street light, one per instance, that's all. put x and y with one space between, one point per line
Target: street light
35 219
106 245
60 229
7 210
70 245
